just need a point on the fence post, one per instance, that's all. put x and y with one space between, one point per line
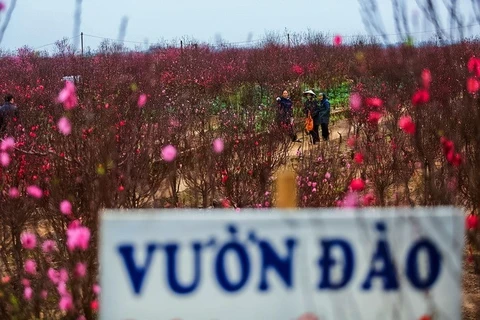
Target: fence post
286 196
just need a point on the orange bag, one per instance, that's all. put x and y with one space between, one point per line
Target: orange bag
309 122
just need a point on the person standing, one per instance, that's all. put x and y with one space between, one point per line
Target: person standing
8 112
324 115
285 114
311 107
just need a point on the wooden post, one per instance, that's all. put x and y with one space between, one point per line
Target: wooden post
286 196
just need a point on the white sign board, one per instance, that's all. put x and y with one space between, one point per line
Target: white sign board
391 263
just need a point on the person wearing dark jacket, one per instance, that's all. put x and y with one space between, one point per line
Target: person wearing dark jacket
311 106
285 114
324 115
8 112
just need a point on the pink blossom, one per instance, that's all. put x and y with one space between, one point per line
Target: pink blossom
357 185
218 145
358 158
421 96
78 238
66 207
6 279
34 191
63 275
64 126
27 293
169 153
406 124
82 317
13 193
374 117
368 199
80 269
297 69
4 159
374 102
96 289
7 144
49 246
62 288
30 266
350 200
327 175
2 6
68 96
426 78
472 85
474 66
355 102
142 100
337 40
25 282
28 240
44 294
65 303
53 275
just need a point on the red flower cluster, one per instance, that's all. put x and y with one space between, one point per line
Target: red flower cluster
448 146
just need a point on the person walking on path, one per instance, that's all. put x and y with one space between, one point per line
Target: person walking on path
8 112
324 115
285 114
312 108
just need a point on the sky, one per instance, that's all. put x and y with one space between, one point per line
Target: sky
37 23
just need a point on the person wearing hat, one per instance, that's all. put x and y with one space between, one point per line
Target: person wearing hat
324 115
311 107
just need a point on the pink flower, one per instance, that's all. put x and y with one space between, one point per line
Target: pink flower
13 193
7 144
53 275
96 289
406 124
472 85
358 158
6 279
27 293
374 102
80 269
82 317
78 238
368 199
374 117
297 69
350 200
34 191
357 185
44 294
355 102
421 96
2 6
351 141
28 240
65 303
66 207
49 246
68 96
30 266
64 126
94 305
169 153
62 288
474 66
337 40
4 159
426 78
327 175
63 275
142 100
218 145
26 282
